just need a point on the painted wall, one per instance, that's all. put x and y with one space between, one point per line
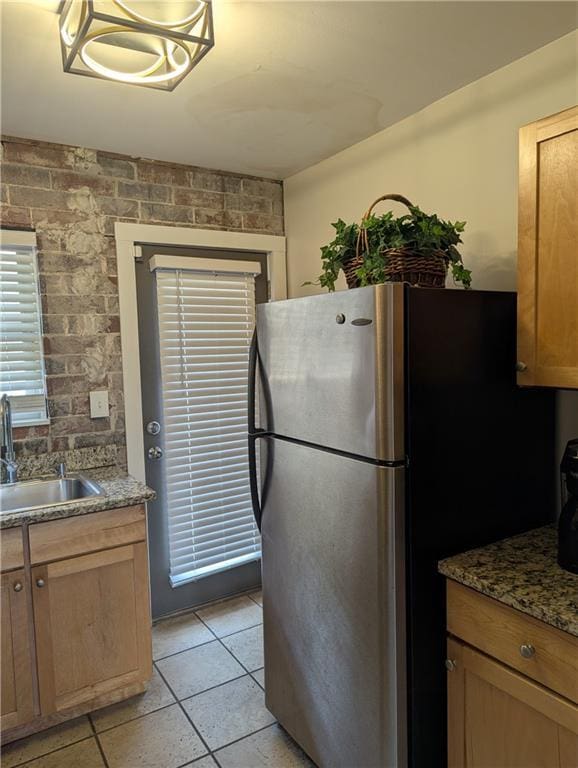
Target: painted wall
72 197
457 157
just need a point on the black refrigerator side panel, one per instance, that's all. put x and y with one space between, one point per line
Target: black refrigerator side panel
481 467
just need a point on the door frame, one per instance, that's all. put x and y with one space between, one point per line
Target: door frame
128 239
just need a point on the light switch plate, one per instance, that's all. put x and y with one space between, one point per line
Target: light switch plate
99 404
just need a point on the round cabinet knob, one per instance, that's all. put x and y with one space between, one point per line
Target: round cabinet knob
340 318
40 583
521 367
527 651
451 665
153 427
155 453
18 586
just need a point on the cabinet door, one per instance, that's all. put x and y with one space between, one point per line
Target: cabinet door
500 719
92 623
17 692
548 252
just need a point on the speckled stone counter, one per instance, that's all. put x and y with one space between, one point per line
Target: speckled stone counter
120 490
522 572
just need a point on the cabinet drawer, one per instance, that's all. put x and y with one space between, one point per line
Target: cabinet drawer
11 549
500 631
80 535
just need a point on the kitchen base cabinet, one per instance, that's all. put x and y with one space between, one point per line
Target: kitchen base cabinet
92 625
17 685
500 719
500 712
76 623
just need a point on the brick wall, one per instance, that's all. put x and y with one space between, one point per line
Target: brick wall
72 197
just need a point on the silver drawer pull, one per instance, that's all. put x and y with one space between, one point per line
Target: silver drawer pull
40 583
527 651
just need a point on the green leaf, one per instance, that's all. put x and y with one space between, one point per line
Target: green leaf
418 231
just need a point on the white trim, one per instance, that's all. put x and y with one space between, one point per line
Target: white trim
195 264
129 237
38 403
17 237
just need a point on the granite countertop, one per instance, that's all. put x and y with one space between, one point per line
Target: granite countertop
120 490
522 572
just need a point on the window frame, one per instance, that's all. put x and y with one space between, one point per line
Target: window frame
129 238
15 238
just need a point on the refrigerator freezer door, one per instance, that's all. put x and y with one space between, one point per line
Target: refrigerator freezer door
333 586
332 370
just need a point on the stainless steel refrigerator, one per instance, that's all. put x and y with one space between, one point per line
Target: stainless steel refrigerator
388 433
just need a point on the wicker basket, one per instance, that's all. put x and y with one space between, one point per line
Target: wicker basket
403 265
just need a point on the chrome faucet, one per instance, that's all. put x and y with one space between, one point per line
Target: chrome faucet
7 444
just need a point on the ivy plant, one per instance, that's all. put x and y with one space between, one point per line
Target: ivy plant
421 232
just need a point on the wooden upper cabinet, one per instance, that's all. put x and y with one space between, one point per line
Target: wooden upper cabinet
17 686
548 252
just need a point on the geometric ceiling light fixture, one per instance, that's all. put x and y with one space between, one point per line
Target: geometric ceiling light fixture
153 44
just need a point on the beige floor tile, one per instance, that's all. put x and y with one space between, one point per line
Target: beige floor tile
270 748
204 762
247 647
257 596
231 615
156 696
47 741
259 675
179 634
163 739
229 712
200 668
84 754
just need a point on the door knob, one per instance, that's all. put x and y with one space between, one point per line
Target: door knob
527 651
40 583
155 452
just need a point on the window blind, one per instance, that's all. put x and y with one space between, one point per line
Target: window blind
21 352
206 321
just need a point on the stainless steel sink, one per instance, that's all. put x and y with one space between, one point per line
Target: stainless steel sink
33 494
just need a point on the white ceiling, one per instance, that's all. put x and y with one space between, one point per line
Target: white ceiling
287 84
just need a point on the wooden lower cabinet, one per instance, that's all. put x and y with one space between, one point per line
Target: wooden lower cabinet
497 718
17 685
76 630
92 625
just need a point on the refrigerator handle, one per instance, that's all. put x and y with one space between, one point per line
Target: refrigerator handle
252 384
252 429
253 483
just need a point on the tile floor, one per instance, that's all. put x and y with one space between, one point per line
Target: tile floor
204 707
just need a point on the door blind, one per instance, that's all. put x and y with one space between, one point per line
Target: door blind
206 321
21 353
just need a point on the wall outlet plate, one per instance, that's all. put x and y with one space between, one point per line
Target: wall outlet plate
99 404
